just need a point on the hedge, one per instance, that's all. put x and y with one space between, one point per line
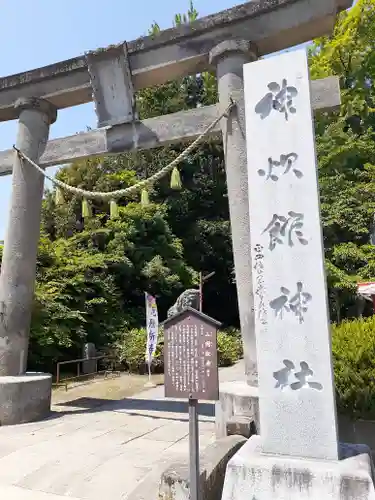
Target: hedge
129 350
353 348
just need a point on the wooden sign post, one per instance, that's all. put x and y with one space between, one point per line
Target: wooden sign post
191 372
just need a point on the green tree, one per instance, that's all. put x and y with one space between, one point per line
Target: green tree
94 272
198 214
90 286
346 153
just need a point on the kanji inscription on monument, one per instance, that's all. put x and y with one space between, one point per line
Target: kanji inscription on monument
297 404
190 356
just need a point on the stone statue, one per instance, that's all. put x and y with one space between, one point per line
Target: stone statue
188 298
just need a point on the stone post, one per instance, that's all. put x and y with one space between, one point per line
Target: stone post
21 242
89 352
296 456
229 58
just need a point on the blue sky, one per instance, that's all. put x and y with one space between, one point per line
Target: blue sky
40 32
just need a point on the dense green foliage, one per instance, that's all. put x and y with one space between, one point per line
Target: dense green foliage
353 346
229 347
92 274
91 286
346 153
129 349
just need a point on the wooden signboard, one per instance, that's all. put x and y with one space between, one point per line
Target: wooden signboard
190 356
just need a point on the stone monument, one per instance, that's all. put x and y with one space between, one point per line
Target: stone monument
188 298
297 454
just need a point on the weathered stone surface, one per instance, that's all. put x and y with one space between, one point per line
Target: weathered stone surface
34 103
16 493
25 398
297 403
94 451
357 431
232 46
18 266
230 57
174 484
241 425
236 398
252 475
214 460
153 132
89 351
112 85
272 24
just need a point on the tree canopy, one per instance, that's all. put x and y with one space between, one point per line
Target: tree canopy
346 154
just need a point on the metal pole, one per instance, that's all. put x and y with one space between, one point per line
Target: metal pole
194 449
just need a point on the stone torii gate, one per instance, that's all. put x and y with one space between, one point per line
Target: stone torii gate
110 77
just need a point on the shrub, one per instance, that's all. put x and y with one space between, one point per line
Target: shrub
229 347
130 349
353 347
232 331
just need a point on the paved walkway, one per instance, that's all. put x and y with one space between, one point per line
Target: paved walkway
100 452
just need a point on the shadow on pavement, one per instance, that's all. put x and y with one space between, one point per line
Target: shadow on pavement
91 405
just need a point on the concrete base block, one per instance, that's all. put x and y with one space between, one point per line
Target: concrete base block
241 426
236 399
174 484
25 398
257 476
357 431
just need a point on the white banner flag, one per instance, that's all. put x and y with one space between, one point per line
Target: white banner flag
152 326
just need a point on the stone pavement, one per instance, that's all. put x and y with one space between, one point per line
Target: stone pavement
98 452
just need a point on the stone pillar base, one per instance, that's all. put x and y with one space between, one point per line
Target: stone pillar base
251 474
237 401
175 480
25 398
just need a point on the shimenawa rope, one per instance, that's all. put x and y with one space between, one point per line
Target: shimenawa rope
113 195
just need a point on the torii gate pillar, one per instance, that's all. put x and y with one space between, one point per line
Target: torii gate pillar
229 58
23 396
